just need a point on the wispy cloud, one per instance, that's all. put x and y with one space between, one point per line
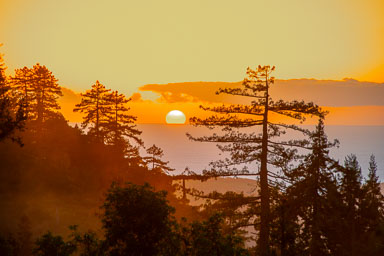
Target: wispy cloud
347 92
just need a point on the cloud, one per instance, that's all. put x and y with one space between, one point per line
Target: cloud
349 102
136 97
191 92
347 92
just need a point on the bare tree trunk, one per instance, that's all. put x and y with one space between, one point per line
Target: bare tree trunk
116 119
39 108
97 116
263 243
315 242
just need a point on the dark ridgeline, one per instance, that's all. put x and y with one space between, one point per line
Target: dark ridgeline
250 147
312 206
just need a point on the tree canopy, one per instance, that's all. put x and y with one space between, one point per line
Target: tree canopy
264 147
38 90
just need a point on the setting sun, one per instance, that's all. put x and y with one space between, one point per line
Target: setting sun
175 117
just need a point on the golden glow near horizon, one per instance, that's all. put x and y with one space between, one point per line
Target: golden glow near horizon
126 44
175 117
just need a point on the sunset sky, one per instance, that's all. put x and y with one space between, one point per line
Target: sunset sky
128 44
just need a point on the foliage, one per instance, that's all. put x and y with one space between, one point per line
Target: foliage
9 246
119 123
247 148
285 227
317 207
154 160
87 244
93 104
308 192
136 220
372 212
107 120
49 245
351 192
207 238
38 90
11 117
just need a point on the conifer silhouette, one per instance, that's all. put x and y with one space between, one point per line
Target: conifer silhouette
94 104
12 116
311 181
39 90
246 148
154 160
119 123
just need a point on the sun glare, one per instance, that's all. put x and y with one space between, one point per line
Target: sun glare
175 117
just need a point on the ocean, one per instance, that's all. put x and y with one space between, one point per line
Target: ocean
181 152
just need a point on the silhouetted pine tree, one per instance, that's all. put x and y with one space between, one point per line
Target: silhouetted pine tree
334 222
352 194
237 209
21 84
119 124
39 91
11 117
154 160
247 148
372 213
308 192
94 104
285 228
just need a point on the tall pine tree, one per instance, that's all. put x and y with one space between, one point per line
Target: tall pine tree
39 90
309 192
154 160
22 85
246 148
352 194
47 91
94 104
119 123
372 212
11 117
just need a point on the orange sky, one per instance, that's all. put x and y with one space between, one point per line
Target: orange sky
127 44
351 103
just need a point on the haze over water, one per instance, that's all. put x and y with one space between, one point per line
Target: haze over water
182 152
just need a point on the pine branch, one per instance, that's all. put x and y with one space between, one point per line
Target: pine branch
236 109
292 127
230 137
238 92
229 121
305 144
